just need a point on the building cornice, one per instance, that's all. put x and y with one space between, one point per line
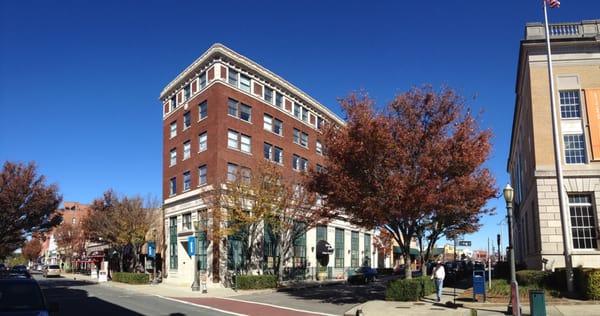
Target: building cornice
220 51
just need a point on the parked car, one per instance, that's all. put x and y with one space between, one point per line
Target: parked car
19 271
362 275
20 268
23 297
51 270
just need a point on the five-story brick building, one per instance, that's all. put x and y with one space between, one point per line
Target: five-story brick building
222 116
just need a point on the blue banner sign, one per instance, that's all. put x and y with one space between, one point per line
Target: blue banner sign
192 246
151 249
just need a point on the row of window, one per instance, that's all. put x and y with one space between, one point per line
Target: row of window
187 119
355 259
244 112
187 93
270 96
243 82
187 149
187 180
233 170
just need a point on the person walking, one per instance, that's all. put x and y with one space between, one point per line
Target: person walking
438 276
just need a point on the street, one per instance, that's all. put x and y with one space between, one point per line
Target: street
84 298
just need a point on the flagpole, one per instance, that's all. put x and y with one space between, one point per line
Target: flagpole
558 163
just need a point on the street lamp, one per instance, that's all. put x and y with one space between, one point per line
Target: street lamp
513 304
154 259
196 284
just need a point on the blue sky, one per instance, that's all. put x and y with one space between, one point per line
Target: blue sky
79 80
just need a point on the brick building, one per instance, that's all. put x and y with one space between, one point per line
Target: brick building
225 114
73 213
538 229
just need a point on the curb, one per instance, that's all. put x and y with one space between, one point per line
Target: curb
300 286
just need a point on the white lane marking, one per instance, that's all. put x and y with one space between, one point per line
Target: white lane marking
199 305
277 306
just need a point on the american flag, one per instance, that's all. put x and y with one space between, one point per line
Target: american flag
553 3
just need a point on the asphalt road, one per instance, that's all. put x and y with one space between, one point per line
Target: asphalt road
87 299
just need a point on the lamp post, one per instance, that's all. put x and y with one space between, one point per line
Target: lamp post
196 284
154 258
513 304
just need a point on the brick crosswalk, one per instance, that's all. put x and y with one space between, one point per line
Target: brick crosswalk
239 307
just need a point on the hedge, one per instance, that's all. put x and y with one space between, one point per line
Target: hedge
409 289
533 278
587 282
385 271
248 282
131 278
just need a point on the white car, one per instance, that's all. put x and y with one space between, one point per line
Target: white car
51 270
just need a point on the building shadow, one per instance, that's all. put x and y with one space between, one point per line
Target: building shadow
73 302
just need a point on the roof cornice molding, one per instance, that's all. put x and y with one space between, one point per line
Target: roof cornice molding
217 50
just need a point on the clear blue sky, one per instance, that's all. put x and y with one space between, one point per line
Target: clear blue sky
79 80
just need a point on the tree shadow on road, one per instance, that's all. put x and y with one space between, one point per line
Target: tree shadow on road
341 294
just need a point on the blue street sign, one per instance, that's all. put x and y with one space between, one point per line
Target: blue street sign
151 249
191 245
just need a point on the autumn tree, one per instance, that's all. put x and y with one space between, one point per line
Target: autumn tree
27 205
407 166
292 212
120 222
258 202
32 249
384 242
70 240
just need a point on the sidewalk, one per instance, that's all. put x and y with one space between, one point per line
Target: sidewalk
428 306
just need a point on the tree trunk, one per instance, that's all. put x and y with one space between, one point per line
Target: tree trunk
407 268
135 257
280 260
121 263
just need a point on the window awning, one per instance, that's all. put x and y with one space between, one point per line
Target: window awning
413 251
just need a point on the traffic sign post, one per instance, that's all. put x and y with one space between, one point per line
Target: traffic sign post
464 243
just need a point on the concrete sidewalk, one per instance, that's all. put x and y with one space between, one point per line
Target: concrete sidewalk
428 306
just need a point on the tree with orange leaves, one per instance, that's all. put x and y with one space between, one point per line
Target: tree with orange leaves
415 165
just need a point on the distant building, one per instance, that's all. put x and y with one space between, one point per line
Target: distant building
222 116
480 255
72 213
576 58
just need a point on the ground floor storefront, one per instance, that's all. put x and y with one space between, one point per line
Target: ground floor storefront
188 238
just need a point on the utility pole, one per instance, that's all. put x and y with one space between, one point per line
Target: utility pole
499 253
489 260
